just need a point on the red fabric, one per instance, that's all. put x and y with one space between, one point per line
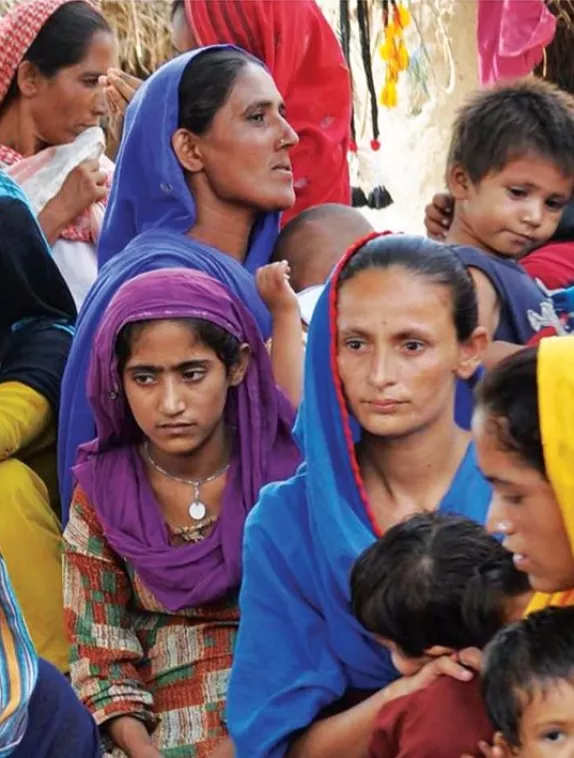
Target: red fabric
294 40
553 264
447 719
18 29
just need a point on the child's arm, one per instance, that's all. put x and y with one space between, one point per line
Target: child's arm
488 317
287 334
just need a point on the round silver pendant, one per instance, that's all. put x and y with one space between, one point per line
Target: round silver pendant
197 510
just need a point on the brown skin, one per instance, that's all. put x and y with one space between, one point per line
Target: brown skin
54 111
525 510
182 36
397 342
240 167
177 388
398 358
510 211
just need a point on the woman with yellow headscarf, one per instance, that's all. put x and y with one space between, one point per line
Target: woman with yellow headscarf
524 432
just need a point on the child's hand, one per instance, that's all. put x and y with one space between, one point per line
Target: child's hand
499 750
275 289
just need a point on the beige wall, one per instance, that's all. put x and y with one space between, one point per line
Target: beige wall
415 135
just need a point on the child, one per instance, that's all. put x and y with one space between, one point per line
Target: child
432 586
305 253
511 174
528 686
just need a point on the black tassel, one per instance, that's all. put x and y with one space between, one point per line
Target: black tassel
379 198
359 199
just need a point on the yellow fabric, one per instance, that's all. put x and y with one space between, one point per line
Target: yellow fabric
24 416
31 543
555 375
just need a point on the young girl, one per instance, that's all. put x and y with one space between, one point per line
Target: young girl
190 425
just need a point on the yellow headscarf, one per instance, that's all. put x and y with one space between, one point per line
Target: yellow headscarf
555 378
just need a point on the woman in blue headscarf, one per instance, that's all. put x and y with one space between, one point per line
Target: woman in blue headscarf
202 174
392 332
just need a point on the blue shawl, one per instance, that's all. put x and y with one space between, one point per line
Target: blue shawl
299 647
149 189
148 252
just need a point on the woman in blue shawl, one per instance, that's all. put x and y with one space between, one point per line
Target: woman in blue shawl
202 174
394 329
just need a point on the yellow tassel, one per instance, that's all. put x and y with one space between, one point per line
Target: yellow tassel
403 57
404 15
389 95
386 50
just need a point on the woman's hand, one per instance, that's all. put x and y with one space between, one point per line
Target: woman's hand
444 666
119 88
275 288
85 185
438 216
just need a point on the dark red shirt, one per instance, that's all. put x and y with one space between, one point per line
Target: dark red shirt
553 264
444 720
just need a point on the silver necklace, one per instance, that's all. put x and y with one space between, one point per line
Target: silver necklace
197 509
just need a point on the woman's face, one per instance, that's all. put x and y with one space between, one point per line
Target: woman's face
182 36
176 386
243 158
525 510
398 353
72 100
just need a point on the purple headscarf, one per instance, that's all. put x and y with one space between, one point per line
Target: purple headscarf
111 472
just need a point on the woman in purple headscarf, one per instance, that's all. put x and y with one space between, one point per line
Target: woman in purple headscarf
190 425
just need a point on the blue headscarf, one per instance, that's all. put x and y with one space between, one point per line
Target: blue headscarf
149 189
150 251
299 647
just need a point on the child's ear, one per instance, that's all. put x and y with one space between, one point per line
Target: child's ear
458 181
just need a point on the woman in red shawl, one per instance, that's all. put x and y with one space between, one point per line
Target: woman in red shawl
294 40
52 56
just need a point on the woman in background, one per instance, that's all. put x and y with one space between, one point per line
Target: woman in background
201 177
304 57
52 54
37 314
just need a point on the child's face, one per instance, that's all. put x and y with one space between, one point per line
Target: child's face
514 210
547 725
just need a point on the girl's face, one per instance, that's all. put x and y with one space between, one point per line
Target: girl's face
243 158
525 510
176 386
398 353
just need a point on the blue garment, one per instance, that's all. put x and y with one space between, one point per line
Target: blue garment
520 298
59 726
149 189
148 252
299 647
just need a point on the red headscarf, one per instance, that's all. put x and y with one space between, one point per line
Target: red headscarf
18 30
294 40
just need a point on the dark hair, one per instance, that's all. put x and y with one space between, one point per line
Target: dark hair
206 84
428 260
533 653
509 396
434 579
62 41
225 346
503 123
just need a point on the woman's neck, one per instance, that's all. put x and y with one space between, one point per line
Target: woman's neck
17 132
406 475
213 454
223 226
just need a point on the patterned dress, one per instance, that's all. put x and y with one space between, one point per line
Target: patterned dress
131 656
